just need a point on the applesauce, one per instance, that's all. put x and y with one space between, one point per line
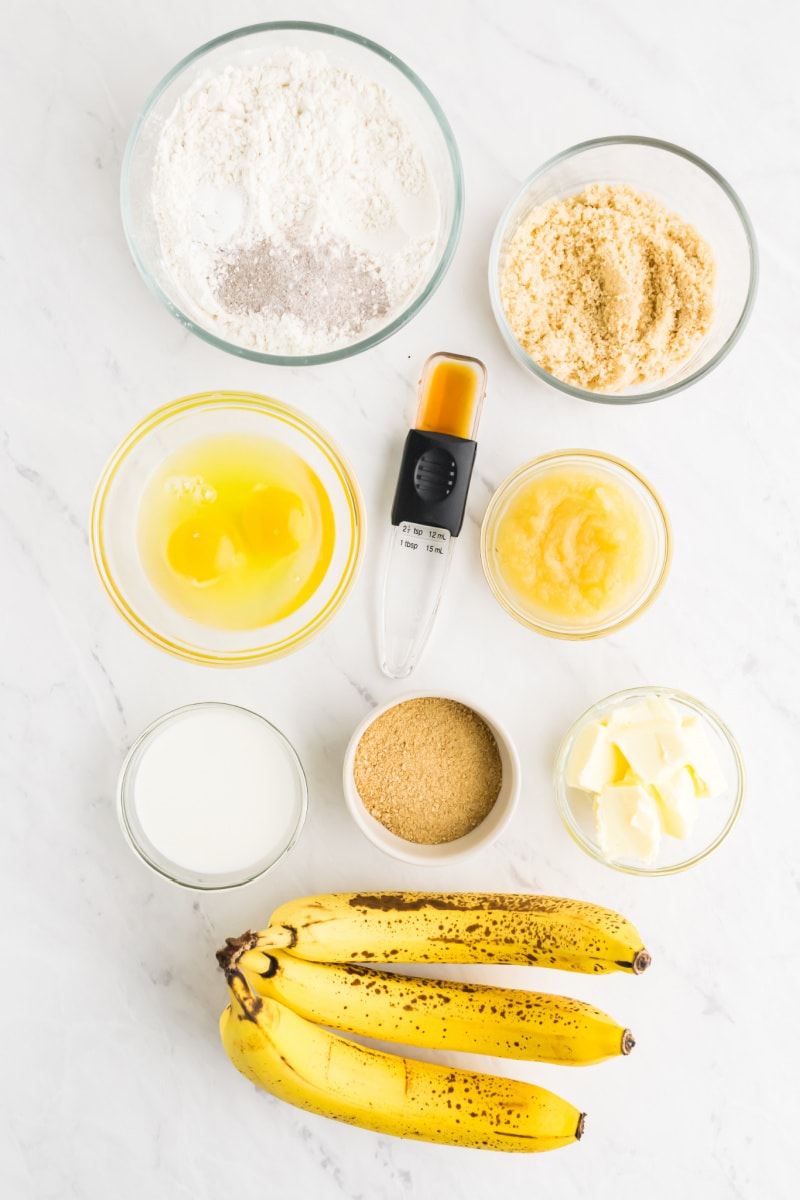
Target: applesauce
575 543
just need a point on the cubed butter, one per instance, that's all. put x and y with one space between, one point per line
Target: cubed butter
654 750
642 712
678 801
647 765
628 822
704 763
594 760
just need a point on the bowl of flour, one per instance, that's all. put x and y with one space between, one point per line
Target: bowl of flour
292 193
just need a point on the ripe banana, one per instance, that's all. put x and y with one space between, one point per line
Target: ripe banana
442 1014
323 1073
464 927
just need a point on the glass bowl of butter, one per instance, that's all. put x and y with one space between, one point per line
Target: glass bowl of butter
649 781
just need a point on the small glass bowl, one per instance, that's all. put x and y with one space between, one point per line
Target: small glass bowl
716 819
137 838
686 185
443 853
115 511
415 104
620 473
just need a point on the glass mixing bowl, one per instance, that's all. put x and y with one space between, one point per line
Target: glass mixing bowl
656 523
415 104
115 512
716 816
292 802
687 186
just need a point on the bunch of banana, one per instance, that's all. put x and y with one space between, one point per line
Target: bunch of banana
305 971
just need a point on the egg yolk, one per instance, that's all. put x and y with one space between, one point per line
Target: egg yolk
235 531
198 549
274 522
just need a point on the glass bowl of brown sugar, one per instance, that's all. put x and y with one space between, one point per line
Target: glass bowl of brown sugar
431 779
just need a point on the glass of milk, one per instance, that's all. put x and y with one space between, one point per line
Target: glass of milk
212 796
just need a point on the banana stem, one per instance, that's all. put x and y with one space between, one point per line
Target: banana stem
248 1004
234 948
275 937
628 1041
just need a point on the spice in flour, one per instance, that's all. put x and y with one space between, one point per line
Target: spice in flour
325 284
295 209
428 769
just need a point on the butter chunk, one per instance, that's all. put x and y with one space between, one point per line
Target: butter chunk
643 712
594 760
655 750
702 759
627 822
678 800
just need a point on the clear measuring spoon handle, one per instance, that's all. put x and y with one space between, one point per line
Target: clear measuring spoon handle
417 563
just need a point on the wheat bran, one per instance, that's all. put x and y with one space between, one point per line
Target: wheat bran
428 769
607 289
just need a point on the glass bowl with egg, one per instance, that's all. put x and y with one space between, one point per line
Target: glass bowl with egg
649 781
227 528
431 779
283 177
624 270
576 544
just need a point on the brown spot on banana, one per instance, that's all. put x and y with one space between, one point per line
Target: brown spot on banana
403 902
272 967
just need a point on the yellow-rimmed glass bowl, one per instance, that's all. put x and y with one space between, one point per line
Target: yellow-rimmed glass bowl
115 514
716 817
656 525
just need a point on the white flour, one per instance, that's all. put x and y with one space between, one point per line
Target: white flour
295 209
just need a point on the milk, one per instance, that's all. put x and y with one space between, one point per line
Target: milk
217 790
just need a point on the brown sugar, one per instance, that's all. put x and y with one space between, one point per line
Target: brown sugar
428 769
607 289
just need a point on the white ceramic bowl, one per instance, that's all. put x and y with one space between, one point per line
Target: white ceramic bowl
445 852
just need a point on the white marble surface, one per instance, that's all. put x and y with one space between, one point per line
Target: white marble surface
114 1083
